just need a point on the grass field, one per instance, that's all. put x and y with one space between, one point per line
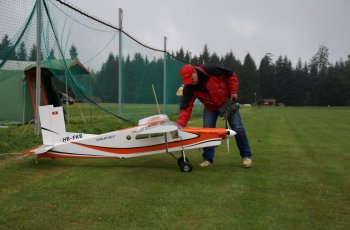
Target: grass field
300 180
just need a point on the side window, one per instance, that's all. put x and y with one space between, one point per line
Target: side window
156 134
141 136
174 134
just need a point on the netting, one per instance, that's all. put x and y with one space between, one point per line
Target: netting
82 63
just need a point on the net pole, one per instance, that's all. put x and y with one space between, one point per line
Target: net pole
164 77
38 67
24 99
67 99
120 63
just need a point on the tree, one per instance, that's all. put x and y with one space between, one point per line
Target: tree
187 56
284 78
107 78
319 62
230 60
347 68
7 50
266 73
204 57
5 42
51 55
22 53
180 54
135 71
306 84
214 58
318 69
300 76
195 61
32 55
248 80
73 52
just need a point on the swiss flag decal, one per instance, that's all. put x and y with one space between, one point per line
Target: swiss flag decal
54 112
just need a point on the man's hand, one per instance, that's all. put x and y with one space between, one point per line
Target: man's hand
228 108
234 97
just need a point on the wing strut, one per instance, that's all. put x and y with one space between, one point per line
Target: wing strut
167 148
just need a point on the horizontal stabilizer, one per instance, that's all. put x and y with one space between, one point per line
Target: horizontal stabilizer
42 149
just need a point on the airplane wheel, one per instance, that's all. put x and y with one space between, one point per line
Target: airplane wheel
186 167
181 160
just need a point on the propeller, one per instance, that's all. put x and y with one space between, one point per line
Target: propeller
228 145
229 133
227 139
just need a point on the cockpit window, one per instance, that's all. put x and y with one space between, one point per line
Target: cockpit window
143 136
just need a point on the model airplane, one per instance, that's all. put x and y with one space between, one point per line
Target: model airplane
155 134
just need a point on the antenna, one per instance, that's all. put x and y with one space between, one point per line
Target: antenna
155 97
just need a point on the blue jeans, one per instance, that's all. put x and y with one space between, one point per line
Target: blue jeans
235 122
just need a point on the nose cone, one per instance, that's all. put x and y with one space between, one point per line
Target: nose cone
230 133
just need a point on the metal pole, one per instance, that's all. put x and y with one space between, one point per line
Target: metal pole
189 57
120 72
67 100
24 99
164 78
38 67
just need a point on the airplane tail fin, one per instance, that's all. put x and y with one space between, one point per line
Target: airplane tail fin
52 124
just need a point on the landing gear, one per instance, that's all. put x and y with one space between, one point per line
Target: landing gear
184 163
186 167
181 160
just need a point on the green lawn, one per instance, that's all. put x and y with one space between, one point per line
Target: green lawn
300 180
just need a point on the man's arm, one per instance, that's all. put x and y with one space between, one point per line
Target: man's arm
232 82
186 107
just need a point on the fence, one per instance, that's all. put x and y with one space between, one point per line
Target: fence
82 58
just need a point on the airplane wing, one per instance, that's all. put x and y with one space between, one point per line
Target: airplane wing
161 127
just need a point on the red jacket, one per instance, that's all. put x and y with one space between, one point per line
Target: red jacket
216 84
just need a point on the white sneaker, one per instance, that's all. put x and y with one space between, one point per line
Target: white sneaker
205 164
247 162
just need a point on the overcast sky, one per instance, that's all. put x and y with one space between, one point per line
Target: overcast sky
295 28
